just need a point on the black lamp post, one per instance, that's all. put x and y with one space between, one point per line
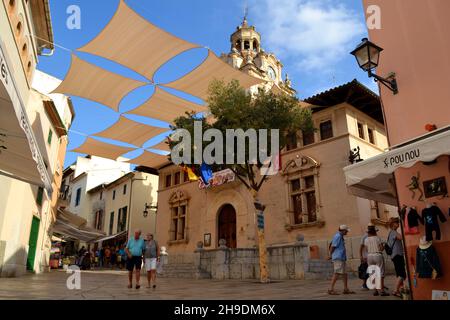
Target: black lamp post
367 55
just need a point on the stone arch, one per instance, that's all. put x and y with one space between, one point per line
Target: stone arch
226 225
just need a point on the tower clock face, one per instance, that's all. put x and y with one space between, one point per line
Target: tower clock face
271 73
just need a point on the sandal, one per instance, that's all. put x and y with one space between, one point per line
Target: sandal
130 286
384 294
333 293
138 286
348 292
396 294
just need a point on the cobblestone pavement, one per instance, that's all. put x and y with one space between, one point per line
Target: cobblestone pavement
107 284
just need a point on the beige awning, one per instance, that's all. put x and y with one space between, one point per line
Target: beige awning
373 178
102 149
150 159
163 146
197 81
131 132
132 41
72 226
166 107
89 81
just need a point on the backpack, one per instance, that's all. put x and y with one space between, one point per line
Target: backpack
388 248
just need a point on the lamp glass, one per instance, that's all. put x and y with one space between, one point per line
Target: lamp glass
367 55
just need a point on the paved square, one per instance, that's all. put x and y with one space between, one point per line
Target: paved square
112 284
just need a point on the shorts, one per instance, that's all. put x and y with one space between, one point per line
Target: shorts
378 260
399 264
150 264
339 266
134 262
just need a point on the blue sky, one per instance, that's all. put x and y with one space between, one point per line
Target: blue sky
312 38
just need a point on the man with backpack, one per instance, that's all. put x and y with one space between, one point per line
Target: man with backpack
394 248
338 255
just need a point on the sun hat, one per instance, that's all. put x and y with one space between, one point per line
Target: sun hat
343 227
424 244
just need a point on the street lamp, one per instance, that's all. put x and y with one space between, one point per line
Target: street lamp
146 207
367 55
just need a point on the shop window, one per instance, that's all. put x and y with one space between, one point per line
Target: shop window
78 197
124 189
122 219
308 138
176 178
168 180
303 199
326 130
361 130
178 223
111 222
50 136
40 196
291 142
371 135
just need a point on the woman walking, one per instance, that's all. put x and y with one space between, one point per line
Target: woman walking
375 257
394 241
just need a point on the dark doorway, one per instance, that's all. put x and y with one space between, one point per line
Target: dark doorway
227 225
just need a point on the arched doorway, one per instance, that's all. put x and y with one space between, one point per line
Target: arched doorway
227 225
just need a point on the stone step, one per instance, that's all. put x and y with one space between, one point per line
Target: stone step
185 271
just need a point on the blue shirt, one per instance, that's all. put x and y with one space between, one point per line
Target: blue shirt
136 247
339 252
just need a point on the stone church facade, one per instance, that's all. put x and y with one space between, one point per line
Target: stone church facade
308 197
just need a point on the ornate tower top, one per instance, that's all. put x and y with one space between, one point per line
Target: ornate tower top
245 38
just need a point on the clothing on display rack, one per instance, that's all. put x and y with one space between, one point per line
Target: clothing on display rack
427 261
411 220
430 218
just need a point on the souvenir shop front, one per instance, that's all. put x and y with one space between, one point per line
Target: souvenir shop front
415 177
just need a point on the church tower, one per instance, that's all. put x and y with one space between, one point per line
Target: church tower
247 55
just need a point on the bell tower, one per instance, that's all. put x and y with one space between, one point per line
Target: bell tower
247 55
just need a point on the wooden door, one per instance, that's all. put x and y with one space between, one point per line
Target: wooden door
227 225
32 243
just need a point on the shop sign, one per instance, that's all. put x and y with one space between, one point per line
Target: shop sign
401 158
219 178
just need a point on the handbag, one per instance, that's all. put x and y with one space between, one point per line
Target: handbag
434 273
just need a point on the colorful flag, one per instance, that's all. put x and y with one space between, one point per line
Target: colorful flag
206 173
192 176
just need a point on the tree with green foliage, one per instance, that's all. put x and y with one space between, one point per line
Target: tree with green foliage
232 107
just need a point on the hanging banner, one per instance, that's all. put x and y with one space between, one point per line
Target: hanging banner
219 178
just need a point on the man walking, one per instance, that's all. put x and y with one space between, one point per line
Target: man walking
135 248
339 257
151 256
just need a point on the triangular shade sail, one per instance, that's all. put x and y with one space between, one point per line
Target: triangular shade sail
150 159
131 132
132 41
89 81
163 146
102 149
197 81
166 107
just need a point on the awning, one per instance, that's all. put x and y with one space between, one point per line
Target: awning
117 235
131 132
150 159
372 178
20 157
166 107
71 226
101 149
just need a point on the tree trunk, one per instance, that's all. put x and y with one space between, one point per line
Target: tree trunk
264 270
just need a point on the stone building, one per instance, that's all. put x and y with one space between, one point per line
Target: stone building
307 198
33 138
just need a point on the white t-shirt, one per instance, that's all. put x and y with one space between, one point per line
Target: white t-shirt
373 244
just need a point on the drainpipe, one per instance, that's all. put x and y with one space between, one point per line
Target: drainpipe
129 203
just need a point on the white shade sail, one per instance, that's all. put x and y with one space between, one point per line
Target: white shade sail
102 149
132 41
97 84
131 132
197 81
166 107
373 179
150 159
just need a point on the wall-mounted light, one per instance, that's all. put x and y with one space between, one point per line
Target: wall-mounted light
367 55
151 207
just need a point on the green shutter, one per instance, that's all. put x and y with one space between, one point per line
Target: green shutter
32 244
50 135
